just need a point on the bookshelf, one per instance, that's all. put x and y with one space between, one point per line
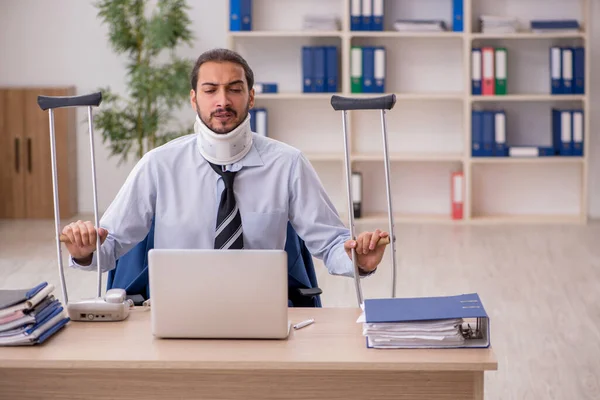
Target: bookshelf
429 129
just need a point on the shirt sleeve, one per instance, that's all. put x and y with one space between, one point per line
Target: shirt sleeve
128 218
314 217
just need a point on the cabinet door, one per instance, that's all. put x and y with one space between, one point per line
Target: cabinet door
38 162
12 166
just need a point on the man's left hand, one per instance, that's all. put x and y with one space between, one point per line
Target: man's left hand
368 253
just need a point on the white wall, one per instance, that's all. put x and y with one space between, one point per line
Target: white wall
63 43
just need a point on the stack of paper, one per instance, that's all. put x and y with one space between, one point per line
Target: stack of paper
420 25
442 333
498 24
30 316
321 23
426 322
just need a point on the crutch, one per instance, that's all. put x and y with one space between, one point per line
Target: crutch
96 309
381 103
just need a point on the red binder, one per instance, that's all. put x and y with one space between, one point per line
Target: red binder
457 194
488 76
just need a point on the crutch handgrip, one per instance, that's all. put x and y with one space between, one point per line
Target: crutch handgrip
46 102
386 102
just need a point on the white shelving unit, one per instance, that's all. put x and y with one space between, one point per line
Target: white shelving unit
429 129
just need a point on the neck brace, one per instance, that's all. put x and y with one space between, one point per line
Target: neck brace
227 148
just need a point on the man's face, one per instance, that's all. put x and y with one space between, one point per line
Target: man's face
222 99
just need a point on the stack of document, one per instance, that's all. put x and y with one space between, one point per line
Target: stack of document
30 316
321 23
498 24
420 25
425 322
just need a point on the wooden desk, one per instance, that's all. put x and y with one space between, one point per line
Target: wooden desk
326 360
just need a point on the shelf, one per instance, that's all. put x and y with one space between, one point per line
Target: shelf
528 35
324 156
527 219
528 97
382 219
278 34
527 160
430 157
403 34
294 96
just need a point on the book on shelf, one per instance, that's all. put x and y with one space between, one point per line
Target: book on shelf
554 25
320 69
489 138
368 69
567 70
489 71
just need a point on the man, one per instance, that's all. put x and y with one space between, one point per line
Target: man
223 187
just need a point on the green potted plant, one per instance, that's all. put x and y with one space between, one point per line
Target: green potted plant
143 119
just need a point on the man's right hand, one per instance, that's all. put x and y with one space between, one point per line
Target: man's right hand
82 240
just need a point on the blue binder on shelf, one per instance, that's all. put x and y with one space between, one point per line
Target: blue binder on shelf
308 69
468 307
368 68
246 14
578 70
355 15
457 16
556 85
331 66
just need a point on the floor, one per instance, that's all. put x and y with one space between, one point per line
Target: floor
540 286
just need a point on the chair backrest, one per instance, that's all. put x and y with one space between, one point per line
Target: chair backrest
131 270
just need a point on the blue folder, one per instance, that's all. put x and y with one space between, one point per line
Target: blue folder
466 306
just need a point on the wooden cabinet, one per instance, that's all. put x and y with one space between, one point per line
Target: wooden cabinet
25 155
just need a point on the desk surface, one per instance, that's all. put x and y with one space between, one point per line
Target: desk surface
333 342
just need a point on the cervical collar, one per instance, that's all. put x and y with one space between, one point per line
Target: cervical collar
224 149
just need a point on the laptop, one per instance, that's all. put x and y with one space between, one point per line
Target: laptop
219 294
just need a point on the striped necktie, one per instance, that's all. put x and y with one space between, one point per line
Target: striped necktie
229 221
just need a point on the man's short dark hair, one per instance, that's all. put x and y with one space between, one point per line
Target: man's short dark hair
222 55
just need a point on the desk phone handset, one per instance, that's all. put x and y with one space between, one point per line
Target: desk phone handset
113 307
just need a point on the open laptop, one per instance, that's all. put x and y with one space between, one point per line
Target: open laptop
227 294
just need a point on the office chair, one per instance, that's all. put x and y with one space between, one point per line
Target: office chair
131 271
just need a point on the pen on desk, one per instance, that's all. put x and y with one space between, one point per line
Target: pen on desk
304 323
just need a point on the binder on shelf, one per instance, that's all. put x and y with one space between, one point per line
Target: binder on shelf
261 122
356 74
554 25
500 148
331 65
578 70
426 322
501 70
319 69
488 134
367 13
531 151
246 14
488 76
477 133
377 18
556 86
562 131
357 194
368 69
235 15
355 15
379 69
476 72
578 130
252 113
307 69
265 87
567 70
457 194
457 15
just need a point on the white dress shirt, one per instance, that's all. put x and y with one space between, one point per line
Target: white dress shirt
176 185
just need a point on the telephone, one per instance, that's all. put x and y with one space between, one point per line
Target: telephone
113 307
